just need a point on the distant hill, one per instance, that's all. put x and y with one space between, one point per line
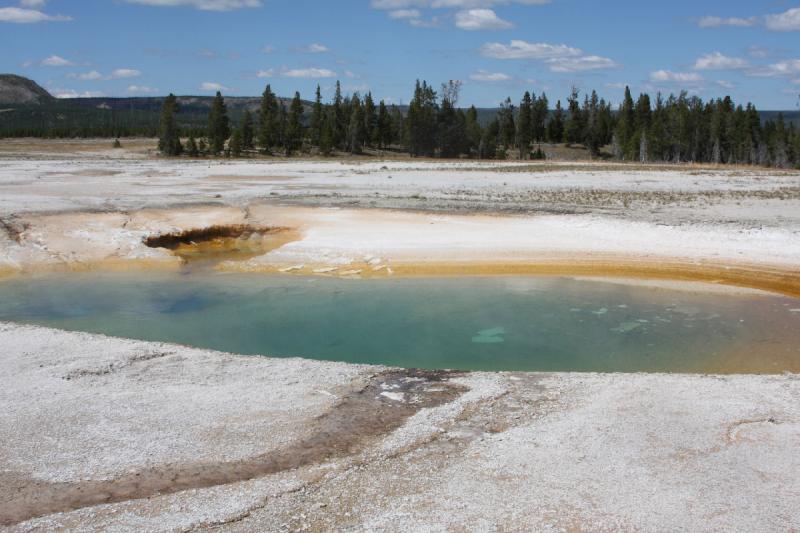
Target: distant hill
16 90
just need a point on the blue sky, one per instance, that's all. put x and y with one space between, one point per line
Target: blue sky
498 48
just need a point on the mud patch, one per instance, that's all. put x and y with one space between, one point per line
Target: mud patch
357 419
223 243
13 229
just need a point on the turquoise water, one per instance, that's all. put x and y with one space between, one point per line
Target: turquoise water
497 323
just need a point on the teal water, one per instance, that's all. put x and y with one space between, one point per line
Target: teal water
496 323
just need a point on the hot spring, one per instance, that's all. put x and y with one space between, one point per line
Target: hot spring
472 323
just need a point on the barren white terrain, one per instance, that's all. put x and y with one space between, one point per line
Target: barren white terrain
103 433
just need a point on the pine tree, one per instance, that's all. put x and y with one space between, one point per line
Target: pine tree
235 144
555 128
474 132
355 130
218 125
294 127
539 117
421 121
384 127
591 133
525 126
316 119
169 141
370 120
508 131
452 129
341 121
268 134
625 127
247 131
574 128
327 134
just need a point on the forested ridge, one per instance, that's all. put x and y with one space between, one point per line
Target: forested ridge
676 128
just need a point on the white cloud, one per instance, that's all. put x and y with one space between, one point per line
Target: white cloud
299 73
422 23
480 19
675 77
140 89
71 93
309 73
786 21
86 76
616 85
19 15
718 61
56 61
403 14
518 49
316 48
32 3
212 86
204 5
716 22
758 51
124 73
581 64
788 67
458 4
486 76
726 84
268 49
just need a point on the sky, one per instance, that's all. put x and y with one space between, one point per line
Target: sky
749 50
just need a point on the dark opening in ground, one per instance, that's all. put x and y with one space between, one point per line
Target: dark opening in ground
222 242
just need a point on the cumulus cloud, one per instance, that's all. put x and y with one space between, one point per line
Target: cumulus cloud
471 14
212 86
718 61
668 76
71 93
141 89
86 76
124 73
581 64
405 14
316 48
788 67
518 49
480 19
21 15
486 76
296 73
459 4
559 57
56 61
204 5
716 22
309 73
786 21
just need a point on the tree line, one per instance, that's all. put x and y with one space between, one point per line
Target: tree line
678 129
